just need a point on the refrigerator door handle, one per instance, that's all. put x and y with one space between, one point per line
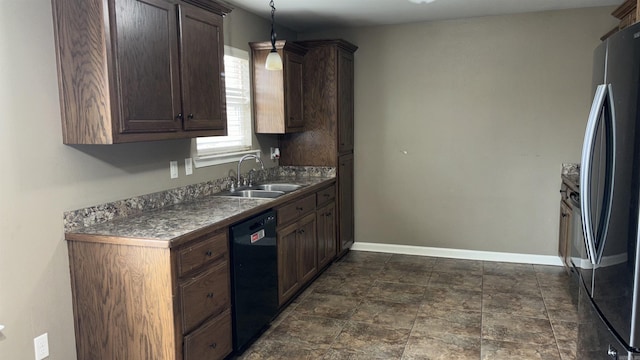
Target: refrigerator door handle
610 173
585 169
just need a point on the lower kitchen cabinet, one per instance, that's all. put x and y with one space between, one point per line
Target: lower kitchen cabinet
297 256
307 240
326 226
152 302
564 241
568 193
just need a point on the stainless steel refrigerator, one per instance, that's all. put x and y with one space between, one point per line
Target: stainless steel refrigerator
609 306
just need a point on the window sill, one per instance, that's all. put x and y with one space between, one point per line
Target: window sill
210 160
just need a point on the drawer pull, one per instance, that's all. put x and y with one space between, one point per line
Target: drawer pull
209 253
299 208
210 295
213 346
327 214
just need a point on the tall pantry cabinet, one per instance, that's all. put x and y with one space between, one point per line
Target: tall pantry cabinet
328 115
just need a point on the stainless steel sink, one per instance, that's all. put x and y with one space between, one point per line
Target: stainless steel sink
278 187
254 194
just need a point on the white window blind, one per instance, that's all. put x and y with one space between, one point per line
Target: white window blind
238 91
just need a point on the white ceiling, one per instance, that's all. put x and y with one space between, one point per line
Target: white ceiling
312 15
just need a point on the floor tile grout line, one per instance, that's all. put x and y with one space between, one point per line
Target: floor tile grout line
546 308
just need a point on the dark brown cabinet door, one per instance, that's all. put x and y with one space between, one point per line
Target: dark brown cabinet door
294 92
326 223
345 101
202 54
345 203
146 60
307 248
288 281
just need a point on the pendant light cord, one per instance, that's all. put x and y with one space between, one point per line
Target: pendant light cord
273 32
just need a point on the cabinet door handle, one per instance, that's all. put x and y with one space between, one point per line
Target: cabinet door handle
210 295
190 116
209 253
564 215
179 116
327 214
213 346
301 231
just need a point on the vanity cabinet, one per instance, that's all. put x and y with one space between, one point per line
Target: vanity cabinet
328 138
152 302
140 70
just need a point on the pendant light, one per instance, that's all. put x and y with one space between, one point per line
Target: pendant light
274 62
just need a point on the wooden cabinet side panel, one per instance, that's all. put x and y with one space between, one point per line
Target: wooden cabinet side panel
268 95
82 51
122 301
345 203
564 243
317 145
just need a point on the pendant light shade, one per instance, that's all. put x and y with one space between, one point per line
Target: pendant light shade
274 61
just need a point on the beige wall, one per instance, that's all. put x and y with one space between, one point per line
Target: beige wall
42 178
486 109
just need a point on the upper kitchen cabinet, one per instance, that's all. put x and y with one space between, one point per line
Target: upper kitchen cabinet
140 70
328 106
278 96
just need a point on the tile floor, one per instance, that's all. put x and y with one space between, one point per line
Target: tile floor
384 306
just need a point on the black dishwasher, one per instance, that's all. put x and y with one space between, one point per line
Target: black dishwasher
254 279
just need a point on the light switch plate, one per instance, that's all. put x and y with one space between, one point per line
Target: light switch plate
173 167
188 166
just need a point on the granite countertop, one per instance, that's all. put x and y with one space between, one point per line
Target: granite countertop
572 180
172 225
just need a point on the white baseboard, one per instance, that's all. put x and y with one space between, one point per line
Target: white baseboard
459 254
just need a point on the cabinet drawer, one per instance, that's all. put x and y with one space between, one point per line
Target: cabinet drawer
211 341
296 209
325 195
201 253
205 295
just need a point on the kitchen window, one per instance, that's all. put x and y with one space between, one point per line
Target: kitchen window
224 149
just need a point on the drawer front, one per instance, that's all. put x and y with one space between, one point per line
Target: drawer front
296 209
194 256
326 195
211 341
205 295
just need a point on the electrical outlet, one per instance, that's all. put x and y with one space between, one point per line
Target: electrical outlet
188 166
173 167
41 345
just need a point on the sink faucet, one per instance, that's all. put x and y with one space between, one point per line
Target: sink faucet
248 156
